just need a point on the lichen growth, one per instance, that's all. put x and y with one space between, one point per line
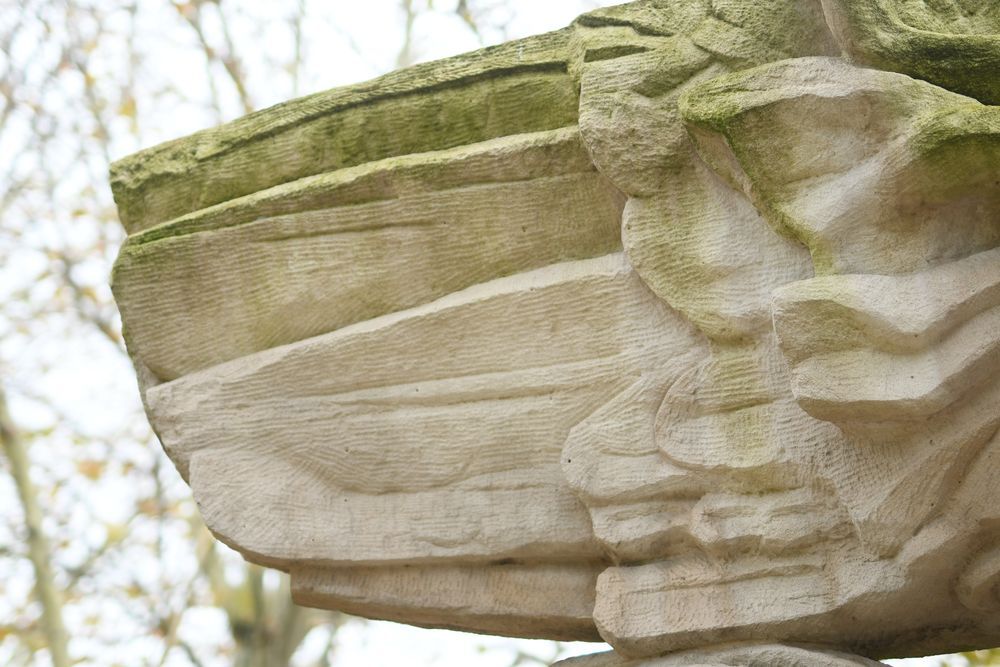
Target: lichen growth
952 44
517 87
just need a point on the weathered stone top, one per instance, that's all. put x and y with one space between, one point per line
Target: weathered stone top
677 327
429 107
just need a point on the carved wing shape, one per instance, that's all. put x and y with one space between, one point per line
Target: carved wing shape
365 323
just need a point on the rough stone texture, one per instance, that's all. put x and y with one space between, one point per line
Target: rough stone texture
952 43
313 256
481 597
735 655
675 328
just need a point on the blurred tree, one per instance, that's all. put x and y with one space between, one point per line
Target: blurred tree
37 543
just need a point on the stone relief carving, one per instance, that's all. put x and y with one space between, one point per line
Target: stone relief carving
678 328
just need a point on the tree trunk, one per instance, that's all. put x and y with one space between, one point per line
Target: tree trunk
38 546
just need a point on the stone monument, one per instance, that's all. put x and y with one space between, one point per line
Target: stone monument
678 328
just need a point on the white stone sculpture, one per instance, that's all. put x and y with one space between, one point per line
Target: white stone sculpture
678 328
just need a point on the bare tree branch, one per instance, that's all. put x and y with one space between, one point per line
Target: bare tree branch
462 9
233 64
84 303
295 67
406 55
172 622
191 655
38 546
192 13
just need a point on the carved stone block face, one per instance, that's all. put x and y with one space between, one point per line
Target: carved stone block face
838 416
677 327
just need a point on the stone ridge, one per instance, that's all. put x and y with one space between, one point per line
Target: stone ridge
518 87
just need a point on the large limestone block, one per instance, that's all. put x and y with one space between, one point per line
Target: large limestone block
672 329
736 655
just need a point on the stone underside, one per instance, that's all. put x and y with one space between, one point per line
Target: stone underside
732 655
675 328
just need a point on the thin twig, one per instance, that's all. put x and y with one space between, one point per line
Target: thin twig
406 55
232 63
172 622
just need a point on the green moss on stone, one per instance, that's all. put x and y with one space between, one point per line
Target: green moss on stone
522 86
955 45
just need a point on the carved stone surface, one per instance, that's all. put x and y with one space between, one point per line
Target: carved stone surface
734 655
675 328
